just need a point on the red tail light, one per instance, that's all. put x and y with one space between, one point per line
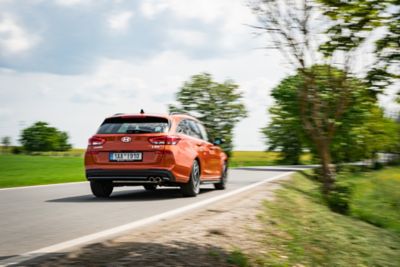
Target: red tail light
164 140
96 141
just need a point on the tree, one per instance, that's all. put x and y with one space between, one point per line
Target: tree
360 126
6 142
294 28
285 132
353 24
375 133
218 105
42 137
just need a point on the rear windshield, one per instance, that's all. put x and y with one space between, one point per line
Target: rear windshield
134 125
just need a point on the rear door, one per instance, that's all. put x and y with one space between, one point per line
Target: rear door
213 153
126 140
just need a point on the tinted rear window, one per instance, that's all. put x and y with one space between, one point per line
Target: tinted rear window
134 125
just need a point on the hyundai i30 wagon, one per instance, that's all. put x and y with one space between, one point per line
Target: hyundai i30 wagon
152 151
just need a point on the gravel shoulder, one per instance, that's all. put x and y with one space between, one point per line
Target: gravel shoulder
205 237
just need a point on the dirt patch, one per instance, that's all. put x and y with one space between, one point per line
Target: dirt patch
205 237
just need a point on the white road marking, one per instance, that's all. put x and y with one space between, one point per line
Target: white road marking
84 240
41 185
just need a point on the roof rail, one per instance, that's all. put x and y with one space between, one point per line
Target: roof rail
116 114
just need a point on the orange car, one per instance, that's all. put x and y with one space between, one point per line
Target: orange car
153 150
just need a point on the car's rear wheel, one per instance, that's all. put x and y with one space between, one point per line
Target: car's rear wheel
101 189
224 178
150 187
192 188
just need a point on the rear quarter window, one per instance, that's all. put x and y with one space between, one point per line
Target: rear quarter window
134 125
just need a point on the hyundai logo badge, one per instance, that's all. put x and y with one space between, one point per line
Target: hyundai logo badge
126 139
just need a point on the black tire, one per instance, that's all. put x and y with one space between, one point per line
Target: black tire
101 189
150 187
192 188
224 178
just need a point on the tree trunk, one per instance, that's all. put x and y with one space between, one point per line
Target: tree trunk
328 169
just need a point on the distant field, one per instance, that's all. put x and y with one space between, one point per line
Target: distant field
253 158
62 167
22 170
259 158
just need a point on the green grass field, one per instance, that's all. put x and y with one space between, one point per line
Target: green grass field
259 158
22 170
300 230
62 167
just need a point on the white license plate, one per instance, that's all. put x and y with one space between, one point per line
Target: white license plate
125 156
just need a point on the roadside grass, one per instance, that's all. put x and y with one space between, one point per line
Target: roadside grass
260 158
237 258
23 170
300 230
376 197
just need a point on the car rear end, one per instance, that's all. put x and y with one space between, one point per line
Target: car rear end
129 150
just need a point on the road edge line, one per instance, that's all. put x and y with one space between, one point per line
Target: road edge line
91 238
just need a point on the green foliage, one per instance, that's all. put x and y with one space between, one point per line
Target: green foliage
299 230
353 21
357 131
284 132
362 137
42 137
218 105
339 198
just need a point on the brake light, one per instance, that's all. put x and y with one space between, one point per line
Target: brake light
96 141
164 140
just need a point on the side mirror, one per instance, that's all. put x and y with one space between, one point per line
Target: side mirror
218 141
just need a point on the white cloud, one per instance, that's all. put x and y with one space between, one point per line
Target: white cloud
120 21
187 37
83 101
205 10
71 2
231 17
111 83
14 38
150 8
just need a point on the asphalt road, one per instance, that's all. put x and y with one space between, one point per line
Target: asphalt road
37 217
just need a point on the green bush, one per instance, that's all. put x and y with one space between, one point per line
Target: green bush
42 137
17 150
339 198
377 165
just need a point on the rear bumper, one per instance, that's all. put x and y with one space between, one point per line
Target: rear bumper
129 175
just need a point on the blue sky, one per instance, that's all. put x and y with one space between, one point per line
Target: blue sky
73 62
